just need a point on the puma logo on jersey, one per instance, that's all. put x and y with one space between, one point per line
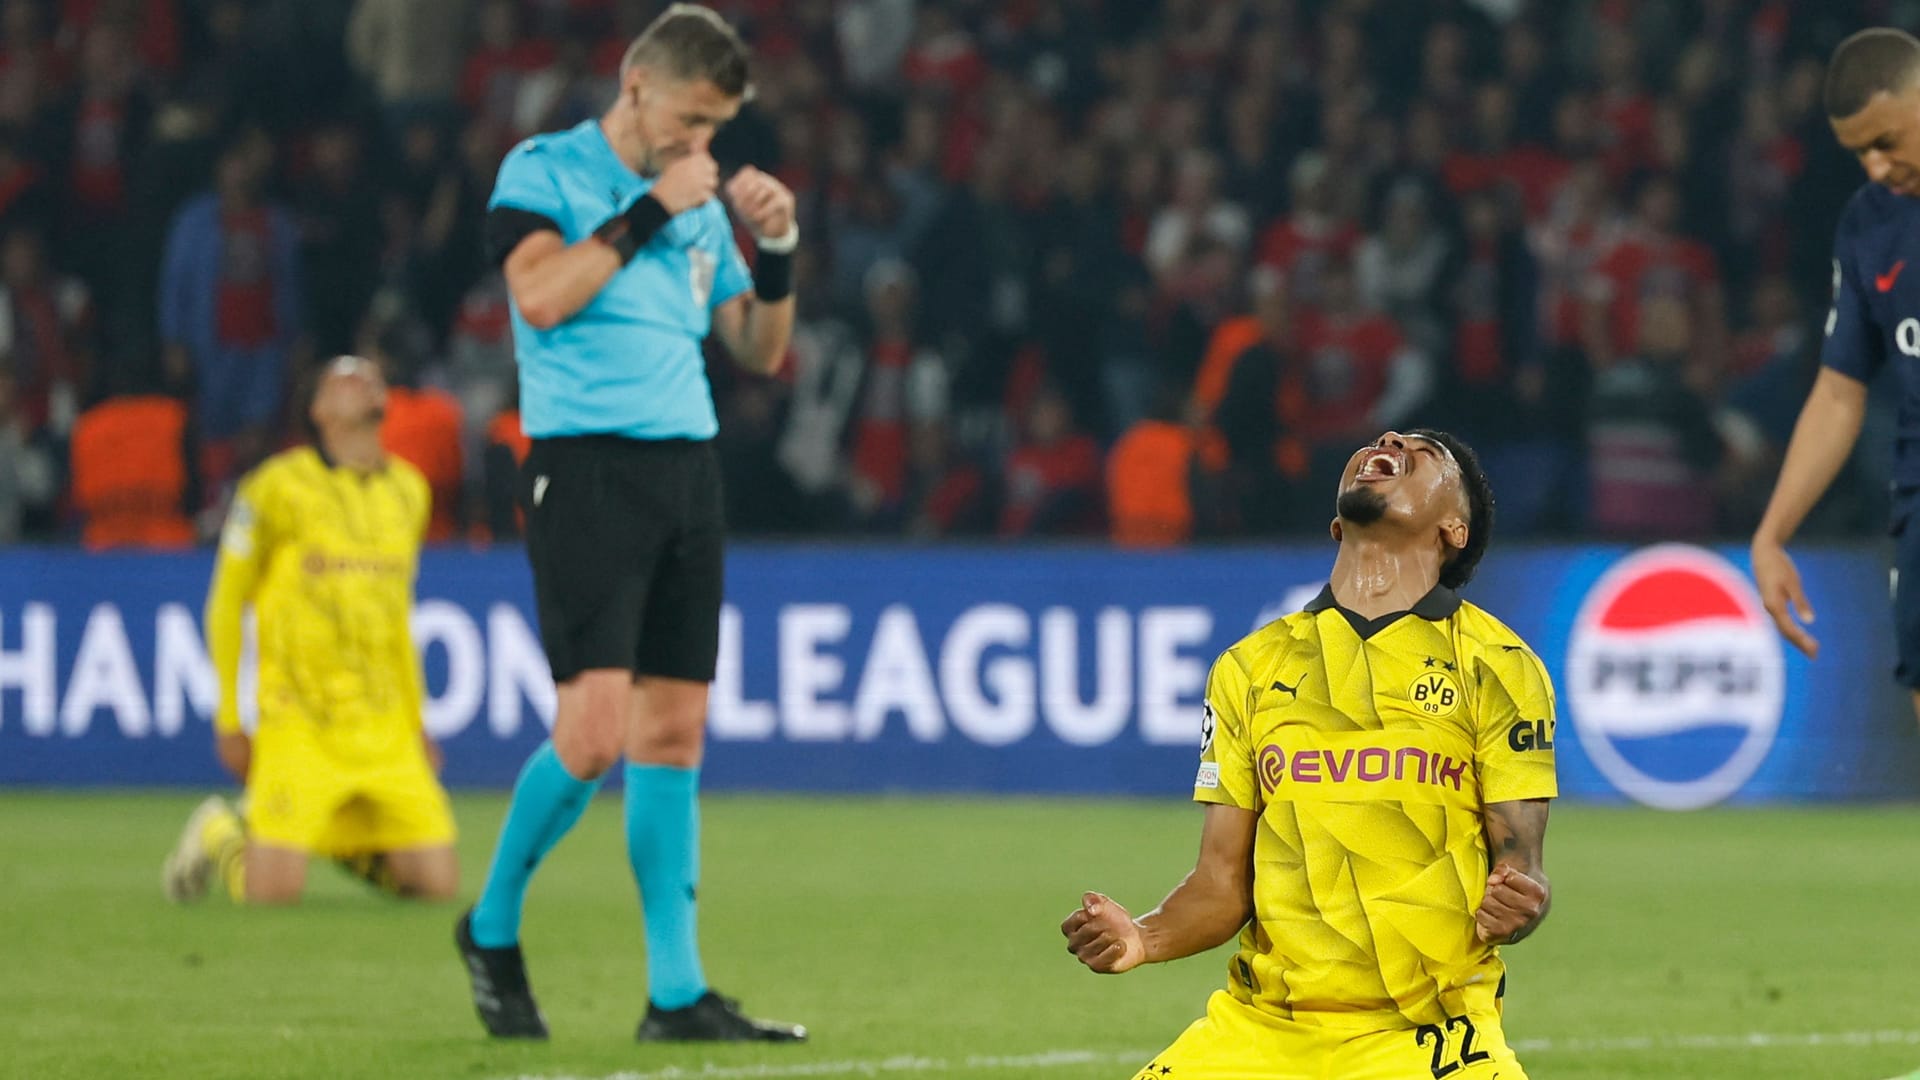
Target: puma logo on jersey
1884 282
1285 689
539 489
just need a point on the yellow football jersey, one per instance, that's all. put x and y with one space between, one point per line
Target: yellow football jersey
1369 748
326 556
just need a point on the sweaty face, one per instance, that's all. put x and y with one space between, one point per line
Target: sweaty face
1406 477
1885 136
678 117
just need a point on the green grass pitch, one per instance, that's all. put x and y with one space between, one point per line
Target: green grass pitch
917 937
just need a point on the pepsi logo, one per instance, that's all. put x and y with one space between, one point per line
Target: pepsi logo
1675 677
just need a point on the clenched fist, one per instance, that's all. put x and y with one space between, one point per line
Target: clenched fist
1103 936
687 182
1513 903
763 202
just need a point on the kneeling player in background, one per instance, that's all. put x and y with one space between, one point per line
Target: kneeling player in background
1377 769
323 542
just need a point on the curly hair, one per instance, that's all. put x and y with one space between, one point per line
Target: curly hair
1473 479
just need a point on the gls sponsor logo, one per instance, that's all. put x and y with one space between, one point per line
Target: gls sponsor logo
1675 676
1527 735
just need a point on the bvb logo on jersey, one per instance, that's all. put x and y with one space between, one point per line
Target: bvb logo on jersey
1434 693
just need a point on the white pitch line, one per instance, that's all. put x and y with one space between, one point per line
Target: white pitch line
1753 1040
906 1064
901 1064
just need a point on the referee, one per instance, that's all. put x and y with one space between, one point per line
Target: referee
620 261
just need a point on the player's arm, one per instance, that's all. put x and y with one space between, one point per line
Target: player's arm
1822 441
1216 899
236 575
756 329
1203 911
1513 754
1518 892
551 280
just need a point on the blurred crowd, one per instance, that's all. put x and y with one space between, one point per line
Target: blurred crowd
1143 269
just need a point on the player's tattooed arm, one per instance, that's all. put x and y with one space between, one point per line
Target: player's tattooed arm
1206 909
1518 894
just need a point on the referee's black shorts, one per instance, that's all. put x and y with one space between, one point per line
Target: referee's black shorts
625 537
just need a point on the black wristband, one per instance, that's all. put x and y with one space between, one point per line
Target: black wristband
629 232
773 275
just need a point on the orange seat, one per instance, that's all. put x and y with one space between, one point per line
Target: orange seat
423 427
130 473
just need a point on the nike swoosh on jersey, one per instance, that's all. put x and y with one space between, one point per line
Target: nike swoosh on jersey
1884 282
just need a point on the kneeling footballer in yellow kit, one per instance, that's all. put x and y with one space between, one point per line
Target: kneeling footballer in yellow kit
1377 770
323 543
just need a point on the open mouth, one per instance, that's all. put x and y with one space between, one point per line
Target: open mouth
1381 464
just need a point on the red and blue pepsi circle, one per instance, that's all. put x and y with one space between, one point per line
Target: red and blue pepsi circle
1675 677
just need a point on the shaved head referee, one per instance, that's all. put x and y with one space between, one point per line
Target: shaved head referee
620 260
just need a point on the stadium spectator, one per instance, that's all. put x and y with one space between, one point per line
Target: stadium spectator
1150 480
1029 161
1053 475
480 371
102 125
409 51
1313 234
878 477
341 234
1653 260
46 322
29 476
1197 215
1358 374
503 61
230 308
1265 459
1401 268
1652 442
25 198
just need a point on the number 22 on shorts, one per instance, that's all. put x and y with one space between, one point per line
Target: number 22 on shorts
1439 1038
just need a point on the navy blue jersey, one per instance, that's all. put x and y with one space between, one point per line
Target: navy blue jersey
1876 306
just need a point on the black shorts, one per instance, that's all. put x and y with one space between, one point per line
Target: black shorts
1906 585
625 537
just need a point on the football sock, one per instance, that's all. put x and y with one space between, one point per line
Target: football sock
547 800
663 845
224 839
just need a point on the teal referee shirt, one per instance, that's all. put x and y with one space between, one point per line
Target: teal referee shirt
630 362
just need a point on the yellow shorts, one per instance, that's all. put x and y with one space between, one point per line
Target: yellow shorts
1237 1042
300 796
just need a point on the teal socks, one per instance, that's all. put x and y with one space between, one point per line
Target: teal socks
547 801
663 845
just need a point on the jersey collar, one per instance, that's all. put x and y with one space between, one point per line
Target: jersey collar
326 459
1439 603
